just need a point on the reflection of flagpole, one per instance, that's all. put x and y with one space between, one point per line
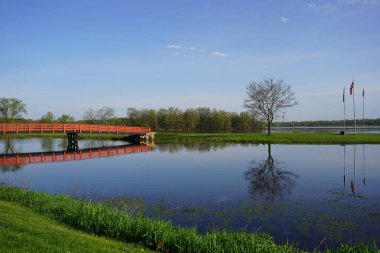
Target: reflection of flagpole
353 183
354 165
344 166
363 167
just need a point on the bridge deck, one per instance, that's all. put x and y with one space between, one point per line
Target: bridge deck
78 128
64 156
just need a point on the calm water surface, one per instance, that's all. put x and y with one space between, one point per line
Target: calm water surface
305 194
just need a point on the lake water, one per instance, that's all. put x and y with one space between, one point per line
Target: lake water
309 195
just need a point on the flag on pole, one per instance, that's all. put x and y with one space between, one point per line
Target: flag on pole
363 93
352 87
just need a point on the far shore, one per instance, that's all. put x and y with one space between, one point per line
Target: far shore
254 138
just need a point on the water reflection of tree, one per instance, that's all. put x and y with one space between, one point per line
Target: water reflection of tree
197 147
11 168
62 144
268 180
47 144
98 143
10 148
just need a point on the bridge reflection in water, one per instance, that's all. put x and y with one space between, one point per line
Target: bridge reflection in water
65 156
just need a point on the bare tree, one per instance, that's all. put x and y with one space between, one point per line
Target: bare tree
90 116
105 113
266 99
11 108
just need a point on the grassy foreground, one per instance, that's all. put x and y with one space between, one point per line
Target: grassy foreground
22 230
153 233
278 138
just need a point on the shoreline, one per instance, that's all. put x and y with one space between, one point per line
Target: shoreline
244 138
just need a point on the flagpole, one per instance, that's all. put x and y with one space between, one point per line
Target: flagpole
353 99
344 109
363 113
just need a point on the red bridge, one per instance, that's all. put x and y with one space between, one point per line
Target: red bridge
76 128
64 156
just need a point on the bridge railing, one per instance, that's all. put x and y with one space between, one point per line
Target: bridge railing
71 127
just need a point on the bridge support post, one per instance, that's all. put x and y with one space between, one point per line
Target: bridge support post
72 144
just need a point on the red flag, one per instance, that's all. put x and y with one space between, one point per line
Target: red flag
352 87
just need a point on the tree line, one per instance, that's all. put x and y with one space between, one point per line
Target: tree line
192 120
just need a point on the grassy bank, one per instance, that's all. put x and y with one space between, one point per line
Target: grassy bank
22 230
276 138
153 233
279 138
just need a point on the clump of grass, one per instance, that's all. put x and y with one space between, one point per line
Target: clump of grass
153 233
23 230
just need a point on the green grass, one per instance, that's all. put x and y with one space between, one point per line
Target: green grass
22 230
278 138
153 233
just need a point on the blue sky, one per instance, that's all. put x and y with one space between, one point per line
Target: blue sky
66 56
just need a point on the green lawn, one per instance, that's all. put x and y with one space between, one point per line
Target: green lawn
280 138
22 230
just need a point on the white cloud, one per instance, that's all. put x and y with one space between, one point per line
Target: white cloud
174 46
220 54
197 50
324 8
284 19
365 2
333 6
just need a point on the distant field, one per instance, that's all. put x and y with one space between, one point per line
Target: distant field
280 138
